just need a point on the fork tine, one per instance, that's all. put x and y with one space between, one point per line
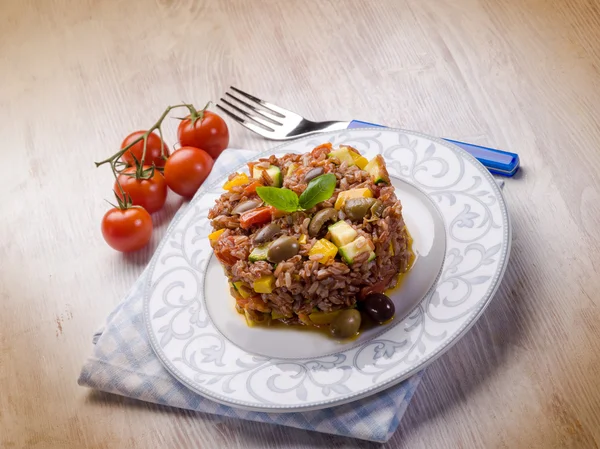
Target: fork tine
258 120
271 118
251 126
280 112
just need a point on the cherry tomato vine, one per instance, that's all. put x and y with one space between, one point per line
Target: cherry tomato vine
144 167
117 165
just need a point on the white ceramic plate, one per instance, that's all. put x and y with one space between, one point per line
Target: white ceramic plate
457 217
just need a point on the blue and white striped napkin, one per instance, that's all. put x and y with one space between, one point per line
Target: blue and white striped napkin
123 362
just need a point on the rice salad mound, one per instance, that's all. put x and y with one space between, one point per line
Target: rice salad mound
305 236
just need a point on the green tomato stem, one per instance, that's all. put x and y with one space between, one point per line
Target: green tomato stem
144 136
125 201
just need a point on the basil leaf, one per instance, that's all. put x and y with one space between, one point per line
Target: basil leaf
282 199
318 190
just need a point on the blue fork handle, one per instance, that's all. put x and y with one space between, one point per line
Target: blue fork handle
496 161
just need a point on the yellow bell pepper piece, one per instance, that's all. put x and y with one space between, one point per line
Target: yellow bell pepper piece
238 180
357 159
324 247
302 240
360 161
264 284
214 236
354 193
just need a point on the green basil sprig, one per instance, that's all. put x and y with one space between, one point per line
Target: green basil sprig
318 190
282 199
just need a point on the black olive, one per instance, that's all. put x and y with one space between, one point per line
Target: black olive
267 233
379 307
312 174
245 206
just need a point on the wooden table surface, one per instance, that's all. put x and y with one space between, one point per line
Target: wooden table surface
76 77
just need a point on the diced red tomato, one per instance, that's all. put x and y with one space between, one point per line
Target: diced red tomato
255 216
251 188
326 147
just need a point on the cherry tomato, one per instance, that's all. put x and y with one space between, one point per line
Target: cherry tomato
127 229
255 216
186 169
211 134
150 193
153 154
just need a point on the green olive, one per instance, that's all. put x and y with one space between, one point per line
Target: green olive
346 324
282 249
267 233
357 208
377 209
319 219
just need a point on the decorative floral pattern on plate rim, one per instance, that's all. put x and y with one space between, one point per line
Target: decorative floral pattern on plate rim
478 246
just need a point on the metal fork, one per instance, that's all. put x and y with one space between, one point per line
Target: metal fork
276 123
